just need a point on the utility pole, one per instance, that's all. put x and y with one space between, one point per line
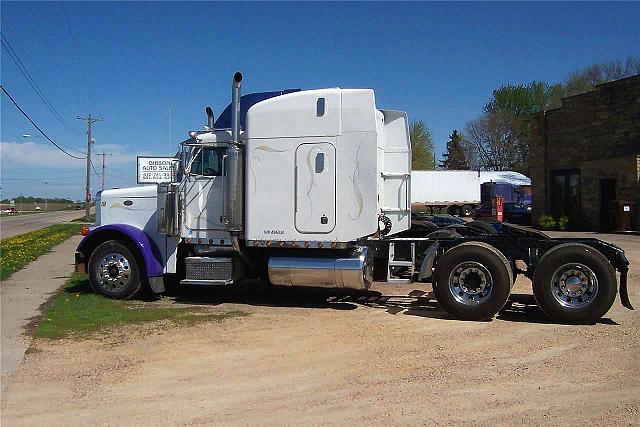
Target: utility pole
87 197
46 199
104 156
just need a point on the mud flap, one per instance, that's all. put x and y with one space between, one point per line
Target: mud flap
156 284
624 293
80 263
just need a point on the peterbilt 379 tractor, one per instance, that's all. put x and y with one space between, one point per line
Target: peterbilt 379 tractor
313 188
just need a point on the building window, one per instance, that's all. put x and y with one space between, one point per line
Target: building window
565 192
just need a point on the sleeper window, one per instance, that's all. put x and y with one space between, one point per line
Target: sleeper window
319 162
320 107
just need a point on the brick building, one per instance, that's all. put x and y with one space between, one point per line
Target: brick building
587 153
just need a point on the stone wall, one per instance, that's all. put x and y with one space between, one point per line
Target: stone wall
596 132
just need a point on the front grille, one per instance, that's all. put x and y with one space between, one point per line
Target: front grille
202 268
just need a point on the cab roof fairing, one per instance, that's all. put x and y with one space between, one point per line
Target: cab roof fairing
247 101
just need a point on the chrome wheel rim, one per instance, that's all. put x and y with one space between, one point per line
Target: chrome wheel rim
114 271
574 285
470 283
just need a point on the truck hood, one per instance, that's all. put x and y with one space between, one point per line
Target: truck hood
144 191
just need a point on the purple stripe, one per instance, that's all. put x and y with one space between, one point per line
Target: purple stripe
148 250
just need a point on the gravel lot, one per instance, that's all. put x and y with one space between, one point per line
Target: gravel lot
303 357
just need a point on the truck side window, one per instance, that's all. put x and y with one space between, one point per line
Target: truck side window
320 107
208 162
319 162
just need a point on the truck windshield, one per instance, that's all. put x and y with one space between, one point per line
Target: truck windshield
208 162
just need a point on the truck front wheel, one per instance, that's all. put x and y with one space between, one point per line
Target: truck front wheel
473 281
574 283
114 271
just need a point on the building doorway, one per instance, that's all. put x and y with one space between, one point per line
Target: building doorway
565 193
607 194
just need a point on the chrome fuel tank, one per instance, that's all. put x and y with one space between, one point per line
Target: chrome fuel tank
355 272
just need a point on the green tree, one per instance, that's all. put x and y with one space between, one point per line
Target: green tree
422 146
455 158
495 143
586 79
521 100
507 119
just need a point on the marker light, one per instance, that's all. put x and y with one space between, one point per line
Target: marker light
84 230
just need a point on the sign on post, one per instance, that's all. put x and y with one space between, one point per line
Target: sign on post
153 170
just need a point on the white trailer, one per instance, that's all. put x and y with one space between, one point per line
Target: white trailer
456 192
313 188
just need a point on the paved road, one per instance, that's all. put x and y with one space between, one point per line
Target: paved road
21 296
19 224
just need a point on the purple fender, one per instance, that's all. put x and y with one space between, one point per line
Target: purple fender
147 249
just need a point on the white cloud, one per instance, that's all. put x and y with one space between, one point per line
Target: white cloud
29 154
25 165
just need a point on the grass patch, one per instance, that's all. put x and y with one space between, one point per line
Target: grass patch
77 311
18 251
92 219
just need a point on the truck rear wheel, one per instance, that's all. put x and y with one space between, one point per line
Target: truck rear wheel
473 281
114 271
574 283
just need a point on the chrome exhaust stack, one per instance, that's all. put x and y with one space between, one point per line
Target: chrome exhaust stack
234 202
210 120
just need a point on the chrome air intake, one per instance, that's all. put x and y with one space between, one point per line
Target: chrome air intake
355 272
234 202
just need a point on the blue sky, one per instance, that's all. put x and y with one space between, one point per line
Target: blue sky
150 68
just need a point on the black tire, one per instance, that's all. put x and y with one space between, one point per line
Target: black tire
114 270
482 226
468 256
578 302
467 210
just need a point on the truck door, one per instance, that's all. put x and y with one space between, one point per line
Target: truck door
315 188
203 204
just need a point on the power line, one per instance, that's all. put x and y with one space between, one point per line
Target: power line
36 126
95 172
44 37
71 148
34 85
75 48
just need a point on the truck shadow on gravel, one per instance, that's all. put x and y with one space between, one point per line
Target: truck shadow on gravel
519 308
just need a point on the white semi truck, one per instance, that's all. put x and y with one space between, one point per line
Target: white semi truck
313 188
